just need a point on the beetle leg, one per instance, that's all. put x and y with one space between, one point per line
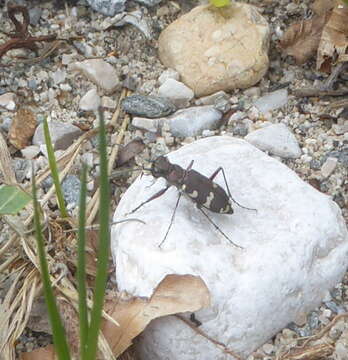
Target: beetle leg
218 229
228 189
171 220
153 197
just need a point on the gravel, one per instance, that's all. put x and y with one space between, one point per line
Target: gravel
52 89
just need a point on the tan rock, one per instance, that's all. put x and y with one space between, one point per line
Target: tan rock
217 49
22 128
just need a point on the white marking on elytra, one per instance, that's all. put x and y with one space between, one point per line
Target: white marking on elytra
183 187
210 198
226 209
194 194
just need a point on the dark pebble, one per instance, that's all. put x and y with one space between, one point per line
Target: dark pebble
341 155
315 164
338 309
240 130
147 106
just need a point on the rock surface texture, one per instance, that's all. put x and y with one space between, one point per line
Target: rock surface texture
216 49
295 248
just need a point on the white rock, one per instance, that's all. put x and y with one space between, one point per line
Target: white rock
8 101
58 76
108 103
217 50
328 167
177 92
30 152
277 139
295 248
90 101
168 74
192 121
100 72
146 124
272 101
62 135
212 99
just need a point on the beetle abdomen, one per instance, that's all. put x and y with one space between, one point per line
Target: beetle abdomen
205 193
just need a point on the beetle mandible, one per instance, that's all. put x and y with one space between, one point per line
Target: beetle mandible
201 190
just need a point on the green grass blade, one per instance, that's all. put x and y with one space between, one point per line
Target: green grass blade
12 199
104 245
220 3
81 267
54 170
60 343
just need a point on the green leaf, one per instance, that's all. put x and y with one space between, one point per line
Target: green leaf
54 170
104 245
12 199
220 3
59 339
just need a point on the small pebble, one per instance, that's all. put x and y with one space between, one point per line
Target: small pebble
147 106
90 101
8 101
176 92
168 74
328 167
272 101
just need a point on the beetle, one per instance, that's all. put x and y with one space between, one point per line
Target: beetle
201 190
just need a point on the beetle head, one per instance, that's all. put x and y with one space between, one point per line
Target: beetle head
160 167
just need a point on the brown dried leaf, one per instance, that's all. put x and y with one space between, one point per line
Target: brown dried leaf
334 39
128 152
22 128
6 169
302 39
321 7
174 294
45 353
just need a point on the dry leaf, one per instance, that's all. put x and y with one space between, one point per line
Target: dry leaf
6 169
46 353
302 39
22 128
334 38
128 152
321 7
174 294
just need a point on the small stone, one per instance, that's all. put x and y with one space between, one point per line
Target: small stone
146 124
6 124
34 15
277 139
192 121
341 155
67 59
176 92
237 116
62 134
30 152
90 101
21 168
340 129
107 7
71 189
341 351
147 106
22 128
272 101
253 92
329 166
100 72
58 76
108 103
8 101
315 164
212 99
268 349
168 74
149 2
240 130
32 84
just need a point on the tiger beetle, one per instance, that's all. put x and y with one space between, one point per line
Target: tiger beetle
201 190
